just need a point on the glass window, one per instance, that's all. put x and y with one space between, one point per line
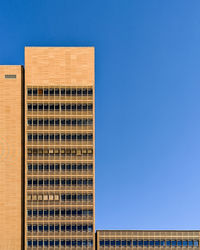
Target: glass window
29 122
34 106
40 228
90 106
190 243
179 243
46 106
40 107
173 243
73 92
123 242
134 242
84 92
40 243
34 92
57 92
112 242
157 243
29 92
168 242
162 243
57 122
107 243
89 92
79 92
128 243
51 91
118 242
62 92
46 92
68 92
196 243
34 243
29 107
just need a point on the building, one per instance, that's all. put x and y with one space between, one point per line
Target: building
59 147
130 239
11 157
47 158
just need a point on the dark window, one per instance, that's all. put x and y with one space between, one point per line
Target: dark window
68 107
90 106
40 107
68 92
79 107
46 106
134 242
62 106
29 122
84 92
46 92
41 137
57 92
57 122
29 107
34 92
112 242
29 137
46 243
157 243
29 92
51 107
68 122
118 242
35 228
79 122
51 91
34 107
46 122
79 92
89 92
57 106
62 92
73 92
151 243
40 122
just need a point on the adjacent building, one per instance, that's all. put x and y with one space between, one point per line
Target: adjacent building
11 157
132 239
47 158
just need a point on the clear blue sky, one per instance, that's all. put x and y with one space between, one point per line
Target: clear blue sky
147 99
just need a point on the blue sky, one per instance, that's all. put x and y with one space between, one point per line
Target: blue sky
147 99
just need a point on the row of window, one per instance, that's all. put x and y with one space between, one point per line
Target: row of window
57 107
56 243
58 121
59 166
58 137
59 227
59 212
57 152
62 197
151 243
59 92
58 182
